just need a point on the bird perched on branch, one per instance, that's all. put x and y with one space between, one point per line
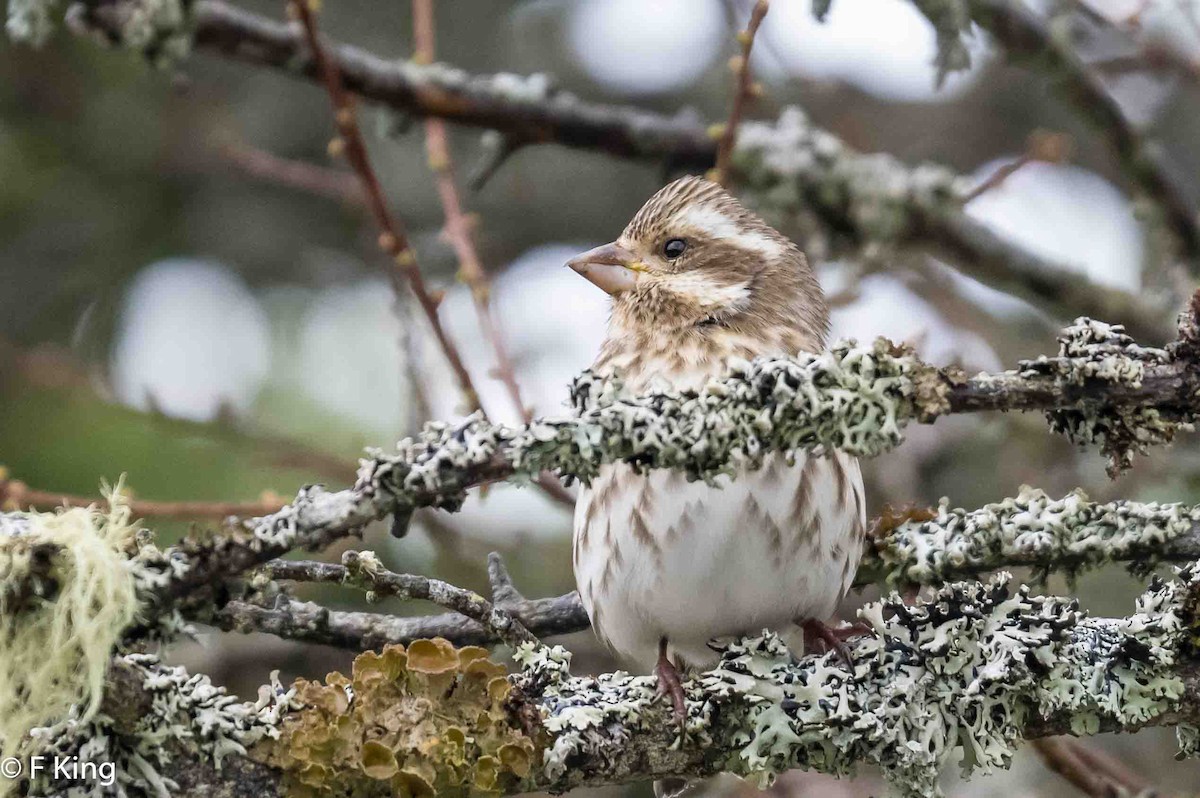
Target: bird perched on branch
664 565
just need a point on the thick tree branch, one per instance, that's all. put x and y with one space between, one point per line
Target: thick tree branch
1030 530
984 666
1101 389
846 193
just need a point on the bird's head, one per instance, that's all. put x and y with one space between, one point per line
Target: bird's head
695 266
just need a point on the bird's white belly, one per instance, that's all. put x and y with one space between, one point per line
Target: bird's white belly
657 556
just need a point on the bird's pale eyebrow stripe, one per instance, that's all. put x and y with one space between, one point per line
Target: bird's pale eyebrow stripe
713 223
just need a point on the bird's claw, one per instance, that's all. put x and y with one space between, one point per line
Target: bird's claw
831 639
669 685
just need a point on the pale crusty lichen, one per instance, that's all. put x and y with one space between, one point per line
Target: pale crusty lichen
966 670
156 28
789 167
853 398
856 398
423 721
30 21
1067 535
313 509
181 713
1091 350
588 717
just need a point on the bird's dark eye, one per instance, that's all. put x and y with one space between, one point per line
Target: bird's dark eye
674 248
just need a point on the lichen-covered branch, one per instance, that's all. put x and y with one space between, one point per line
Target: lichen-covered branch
978 665
364 570
1030 530
1101 389
1067 535
360 631
871 201
971 672
790 166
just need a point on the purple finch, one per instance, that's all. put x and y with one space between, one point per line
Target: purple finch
664 565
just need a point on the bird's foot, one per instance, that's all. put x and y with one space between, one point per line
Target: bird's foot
669 684
817 632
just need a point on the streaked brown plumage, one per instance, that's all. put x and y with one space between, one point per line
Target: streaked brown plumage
696 279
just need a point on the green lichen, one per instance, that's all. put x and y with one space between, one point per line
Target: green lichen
960 674
790 167
1067 535
1092 351
854 398
423 721
175 712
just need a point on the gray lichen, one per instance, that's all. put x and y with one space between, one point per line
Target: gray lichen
30 21
156 28
1093 351
853 398
183 713
960 674
1067 535
789 166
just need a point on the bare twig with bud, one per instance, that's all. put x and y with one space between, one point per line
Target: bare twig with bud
459 232
744 89
393 239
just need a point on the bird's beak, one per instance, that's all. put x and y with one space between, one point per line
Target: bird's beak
611 267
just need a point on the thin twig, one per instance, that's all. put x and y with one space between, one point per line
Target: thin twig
744 89
996 178
364 570
307 177
458 227
458 231
1111 768
1062 758
1042 147
16 495
392 239
504 591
